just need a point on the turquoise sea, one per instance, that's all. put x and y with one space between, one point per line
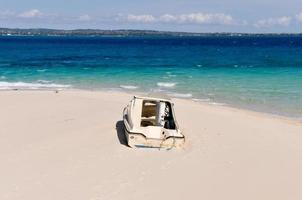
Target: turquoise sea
262 73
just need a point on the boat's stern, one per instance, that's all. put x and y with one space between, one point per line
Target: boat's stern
138 140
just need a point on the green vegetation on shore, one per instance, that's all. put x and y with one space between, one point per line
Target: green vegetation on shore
122 32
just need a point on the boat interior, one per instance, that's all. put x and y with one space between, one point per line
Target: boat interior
157 113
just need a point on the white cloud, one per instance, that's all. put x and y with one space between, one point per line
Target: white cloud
206 18
31 14
281 21
299 17
199 18
84 18
140 18
195 18
168 18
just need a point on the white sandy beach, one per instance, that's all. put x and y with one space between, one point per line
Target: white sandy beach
69 145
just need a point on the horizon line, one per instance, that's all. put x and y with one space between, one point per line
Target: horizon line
157 30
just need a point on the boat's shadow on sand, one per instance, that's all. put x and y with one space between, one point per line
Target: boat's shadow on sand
119 126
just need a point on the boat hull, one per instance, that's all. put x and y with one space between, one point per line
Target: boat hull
138 140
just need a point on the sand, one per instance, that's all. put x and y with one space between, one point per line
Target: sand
70 145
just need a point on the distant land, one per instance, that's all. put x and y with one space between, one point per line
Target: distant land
122 32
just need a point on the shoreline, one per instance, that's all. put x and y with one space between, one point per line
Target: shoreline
190 100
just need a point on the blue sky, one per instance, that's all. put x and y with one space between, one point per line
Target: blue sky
174 15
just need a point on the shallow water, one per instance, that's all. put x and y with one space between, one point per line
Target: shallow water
259 73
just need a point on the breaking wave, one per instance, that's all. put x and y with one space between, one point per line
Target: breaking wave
181 95
41 70
44 81
129 87
202 100
217 104
166 84
30 86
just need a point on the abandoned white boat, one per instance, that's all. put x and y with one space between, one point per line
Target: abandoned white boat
151 122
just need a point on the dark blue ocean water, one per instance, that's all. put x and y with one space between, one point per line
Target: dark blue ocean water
260 73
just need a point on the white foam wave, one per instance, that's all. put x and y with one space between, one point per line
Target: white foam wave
217 104
41 70
166 84
180 95
43 81
202 100
2 77
129 87
30 86
172 75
